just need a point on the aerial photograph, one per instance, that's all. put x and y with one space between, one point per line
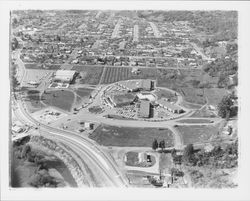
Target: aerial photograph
123 98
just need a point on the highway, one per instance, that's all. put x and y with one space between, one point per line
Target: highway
104 166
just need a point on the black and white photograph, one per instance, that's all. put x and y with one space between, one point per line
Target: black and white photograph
124 98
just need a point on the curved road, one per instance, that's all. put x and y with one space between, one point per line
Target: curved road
104 166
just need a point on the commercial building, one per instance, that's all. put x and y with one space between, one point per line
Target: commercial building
144 109
65 76
170 107
146 96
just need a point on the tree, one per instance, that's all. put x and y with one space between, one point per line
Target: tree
224 107
26 149
15 44
162 145
188 153
155 144
173 152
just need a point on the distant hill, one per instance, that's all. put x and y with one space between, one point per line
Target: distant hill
223 25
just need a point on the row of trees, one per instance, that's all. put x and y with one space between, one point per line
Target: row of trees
218 158
226 108
156 145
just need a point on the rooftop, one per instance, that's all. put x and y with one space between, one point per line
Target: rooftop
144 109
65 75
165 103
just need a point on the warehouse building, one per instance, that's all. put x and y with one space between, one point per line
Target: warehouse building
65 76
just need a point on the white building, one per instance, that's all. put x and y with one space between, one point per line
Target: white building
64 75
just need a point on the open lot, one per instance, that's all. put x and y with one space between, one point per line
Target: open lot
34 75
115 74
124 136
132 159
83 94
61 99
89 74
48 115
197 134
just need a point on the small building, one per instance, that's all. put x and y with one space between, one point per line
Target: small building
65 76
17 129
146 96
144 109
88 125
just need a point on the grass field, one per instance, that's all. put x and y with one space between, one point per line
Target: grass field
33 100
197 134
203 113
39 66
190 105
215 95
115 74
133 137
196 121
83 94
58 98
161 93
193 95
189 83
89 74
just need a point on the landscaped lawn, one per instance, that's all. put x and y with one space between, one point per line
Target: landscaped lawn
62 99
131 137
197 134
